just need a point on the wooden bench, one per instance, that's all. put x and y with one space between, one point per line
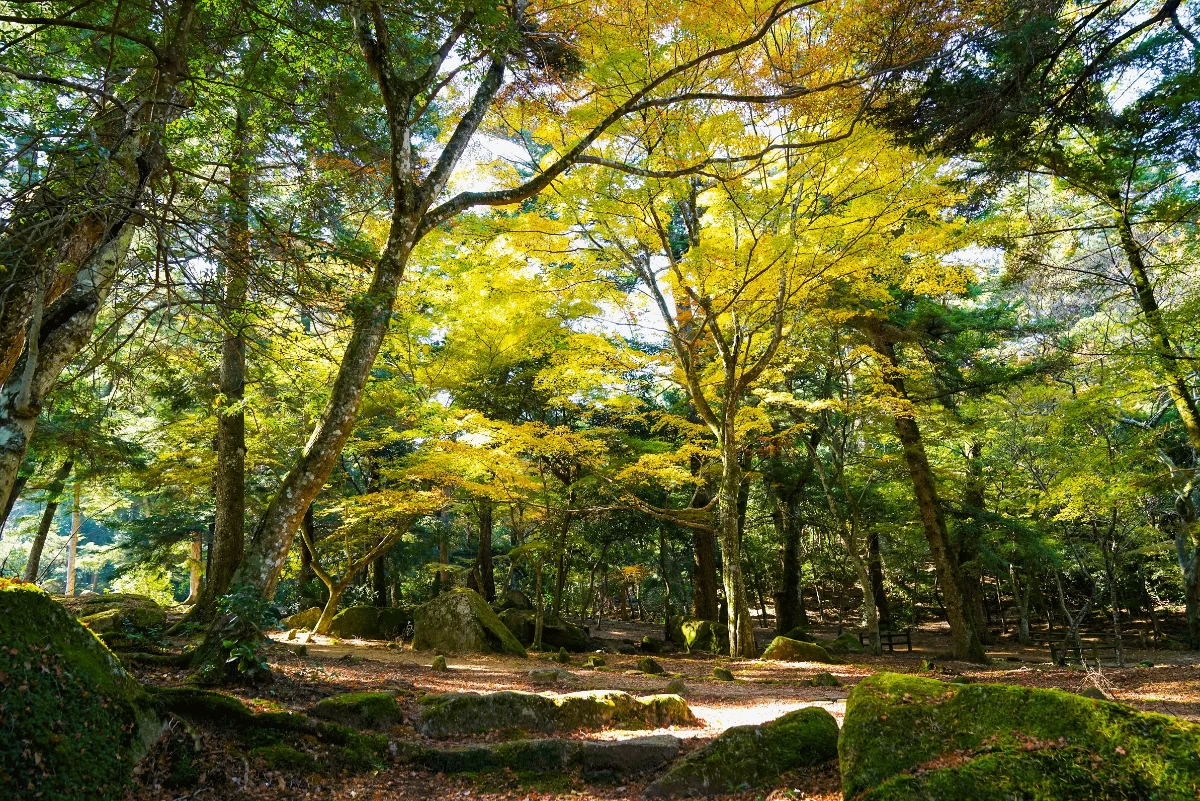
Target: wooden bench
889 638
1062 652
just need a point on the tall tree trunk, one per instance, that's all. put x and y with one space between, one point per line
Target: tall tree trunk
967 542
875 563
964 639
1166 355
664 567
704 566
74 543
229 532
1021 594
443 559
741 627
53 496
487 570
379 582
13 497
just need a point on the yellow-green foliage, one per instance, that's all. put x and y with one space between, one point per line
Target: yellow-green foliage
914 738
71 717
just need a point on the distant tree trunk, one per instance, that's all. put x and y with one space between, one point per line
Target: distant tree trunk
965 643
967 543
53 496
487 570
875 563
195 567
379 582
74 543
13 496
1187 551
443 559
539 605
664 567
1021 594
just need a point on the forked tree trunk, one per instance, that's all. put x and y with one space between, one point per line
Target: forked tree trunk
964 639
53 496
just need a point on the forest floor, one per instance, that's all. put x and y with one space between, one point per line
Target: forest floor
762 691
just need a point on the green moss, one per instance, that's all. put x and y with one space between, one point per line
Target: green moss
451 714
826 679
722 673
196 704
705 635
81 720
303 620
364 710
753 756
799 633
846 643
910 737
281 756
461 622
783 649
648 665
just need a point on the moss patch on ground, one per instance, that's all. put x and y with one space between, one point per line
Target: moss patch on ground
752 756
907 737
71 717
451 714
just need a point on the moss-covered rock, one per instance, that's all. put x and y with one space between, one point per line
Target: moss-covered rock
513 599
550 755
439 664
452 714
650 645
369 623
722 673
844 643
799 633
557 632
648 665
677 687
461 622
563 657
548 675
361 710
70 716
782 649
826 679
115 613
752 756
594 662
706 636
675 629
907 737
303 620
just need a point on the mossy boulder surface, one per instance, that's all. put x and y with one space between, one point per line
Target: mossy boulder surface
114 612
369 623
845 643
557 632
908 737
549 755
799 633
752 756
782 649
461 622
650 666
722 673
71 717
706 636
303 620
361 710
452 714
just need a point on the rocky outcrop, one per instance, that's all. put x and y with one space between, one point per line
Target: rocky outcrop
370 623
782 649
115 613
454 714
906 737
71 717
461 622
513 599
557 632
303 620
752 756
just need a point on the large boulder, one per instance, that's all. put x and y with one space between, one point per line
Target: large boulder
705 635
72 721
370 623
906 737
752 756
557 632
303 620
782 649
845 643
454 714
115 612
461 622
513 599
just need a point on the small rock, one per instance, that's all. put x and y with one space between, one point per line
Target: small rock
650 645
648 665
293 634
826 679
548 675
724 674
594 662
676 687
439 664
563 657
